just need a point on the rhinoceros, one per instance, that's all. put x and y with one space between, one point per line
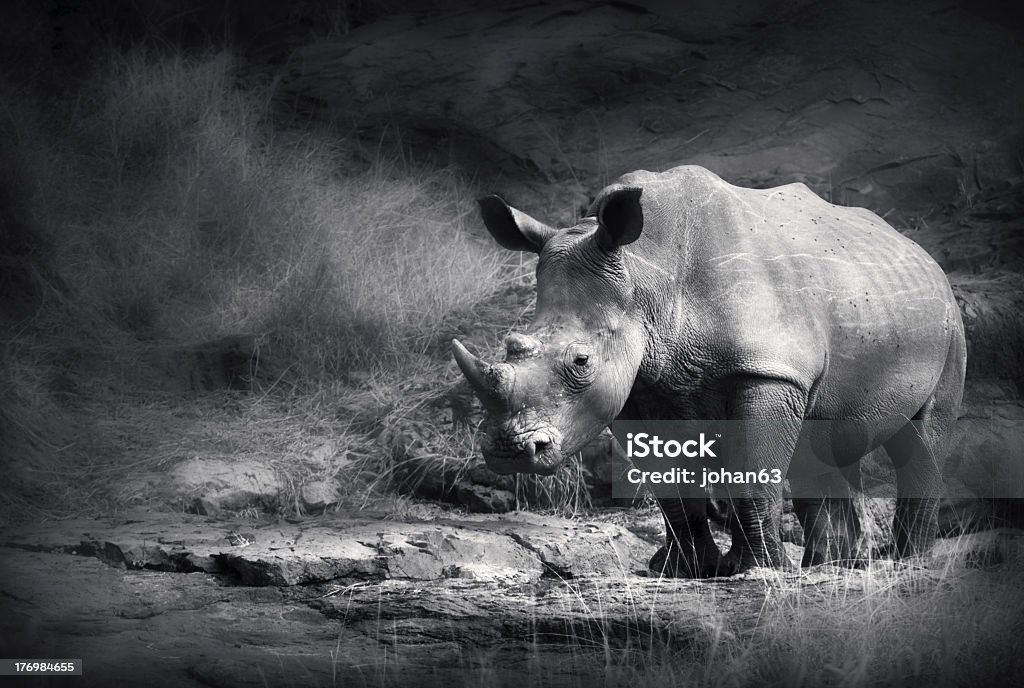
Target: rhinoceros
681 296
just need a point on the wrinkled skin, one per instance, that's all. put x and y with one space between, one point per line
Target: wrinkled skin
681 296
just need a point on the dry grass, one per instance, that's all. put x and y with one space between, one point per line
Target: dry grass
192 218
884 628
171 210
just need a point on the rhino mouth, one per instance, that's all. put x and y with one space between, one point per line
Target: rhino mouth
538 451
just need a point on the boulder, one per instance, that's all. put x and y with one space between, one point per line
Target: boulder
210 485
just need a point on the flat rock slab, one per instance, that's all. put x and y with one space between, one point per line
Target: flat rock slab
292 553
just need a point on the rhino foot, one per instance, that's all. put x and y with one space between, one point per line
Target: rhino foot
742 558
699 560
817 557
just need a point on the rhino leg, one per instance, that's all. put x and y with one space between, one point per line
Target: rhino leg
831 531
689 551
917 451
916 521
827 513
918 486
755 535
775 409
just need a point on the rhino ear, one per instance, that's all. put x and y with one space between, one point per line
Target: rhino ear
513 229
620 219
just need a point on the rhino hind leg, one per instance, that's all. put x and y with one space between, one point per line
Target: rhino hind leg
918 485
917 451
690 550
831 531
828 515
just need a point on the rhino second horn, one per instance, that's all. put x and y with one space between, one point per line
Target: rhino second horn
519 345
484 385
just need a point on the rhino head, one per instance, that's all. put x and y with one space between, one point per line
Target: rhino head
569 375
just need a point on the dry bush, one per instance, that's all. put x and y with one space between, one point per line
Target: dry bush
178 213
173 211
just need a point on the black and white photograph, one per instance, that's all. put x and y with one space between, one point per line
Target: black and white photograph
522 343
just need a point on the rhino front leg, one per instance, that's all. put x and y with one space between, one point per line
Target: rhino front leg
690 550
774 410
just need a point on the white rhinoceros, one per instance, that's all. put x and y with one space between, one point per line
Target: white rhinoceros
681 296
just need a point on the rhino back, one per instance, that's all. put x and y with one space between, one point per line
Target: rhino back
780 283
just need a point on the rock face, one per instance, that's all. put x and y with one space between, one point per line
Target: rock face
991 304
861 102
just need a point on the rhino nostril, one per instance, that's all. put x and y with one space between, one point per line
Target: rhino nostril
536 445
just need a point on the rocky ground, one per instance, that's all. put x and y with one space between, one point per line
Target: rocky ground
179 600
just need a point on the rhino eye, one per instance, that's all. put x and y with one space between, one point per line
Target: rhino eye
576 364
577 371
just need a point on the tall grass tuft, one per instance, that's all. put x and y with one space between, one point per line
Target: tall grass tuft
178 213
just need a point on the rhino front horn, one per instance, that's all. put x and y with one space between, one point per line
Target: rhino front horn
483 378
